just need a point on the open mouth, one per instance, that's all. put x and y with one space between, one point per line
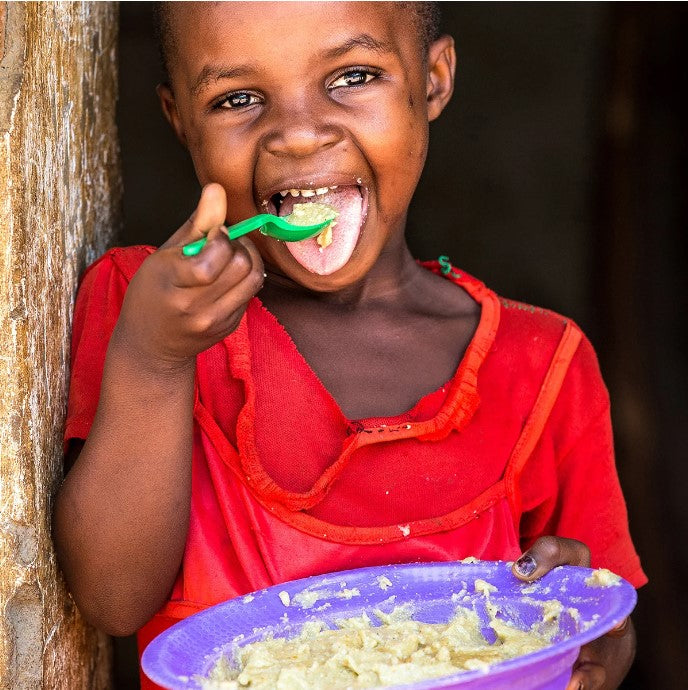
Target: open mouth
331 249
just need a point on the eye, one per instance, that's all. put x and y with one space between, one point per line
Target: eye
236 100
353 77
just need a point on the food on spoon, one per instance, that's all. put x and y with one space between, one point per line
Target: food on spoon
313 214
319 255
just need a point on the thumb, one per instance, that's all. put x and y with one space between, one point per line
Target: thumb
547 553
210 213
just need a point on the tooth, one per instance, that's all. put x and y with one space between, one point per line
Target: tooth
334 186
307 192
322 190
294 192
284 192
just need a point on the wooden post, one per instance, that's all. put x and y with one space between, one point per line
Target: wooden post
59 206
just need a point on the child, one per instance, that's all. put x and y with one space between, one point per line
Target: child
363 409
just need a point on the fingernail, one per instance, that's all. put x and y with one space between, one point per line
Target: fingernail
526 565
619 630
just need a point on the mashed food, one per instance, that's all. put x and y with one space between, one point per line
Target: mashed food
361 655
312 214
603 578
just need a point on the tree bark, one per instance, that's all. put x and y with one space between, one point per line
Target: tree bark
59 208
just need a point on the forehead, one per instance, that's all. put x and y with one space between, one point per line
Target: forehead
284 31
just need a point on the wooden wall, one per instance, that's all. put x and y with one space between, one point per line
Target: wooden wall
59 207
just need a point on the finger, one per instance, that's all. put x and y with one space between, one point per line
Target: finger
238 296
206 268
587 676
245 261
621 629
219 267
214 318
256 258
574 683
210 212
547 553
223 317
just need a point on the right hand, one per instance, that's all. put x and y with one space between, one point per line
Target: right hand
177 306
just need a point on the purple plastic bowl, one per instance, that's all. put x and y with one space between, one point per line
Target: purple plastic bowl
192 647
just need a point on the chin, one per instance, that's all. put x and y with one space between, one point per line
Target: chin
354 270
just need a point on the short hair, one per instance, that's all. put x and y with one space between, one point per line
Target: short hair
162 30
427 17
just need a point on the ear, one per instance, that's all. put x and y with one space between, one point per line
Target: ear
441 69
169 109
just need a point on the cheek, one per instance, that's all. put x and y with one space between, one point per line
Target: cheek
406 129
413 147
405 149
220 157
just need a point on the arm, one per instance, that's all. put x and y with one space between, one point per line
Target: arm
576 493
121 516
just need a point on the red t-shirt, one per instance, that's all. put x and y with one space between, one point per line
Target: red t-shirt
516 445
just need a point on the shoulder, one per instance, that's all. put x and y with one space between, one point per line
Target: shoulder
532 326
529 325
121 261
530 338
516 322
536 340
103 285
526 336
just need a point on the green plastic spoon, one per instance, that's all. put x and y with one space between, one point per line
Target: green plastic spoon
269 224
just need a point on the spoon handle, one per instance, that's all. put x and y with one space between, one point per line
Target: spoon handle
237 230
194 248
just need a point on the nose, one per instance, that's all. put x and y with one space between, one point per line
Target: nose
300 132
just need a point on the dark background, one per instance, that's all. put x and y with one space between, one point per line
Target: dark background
558 176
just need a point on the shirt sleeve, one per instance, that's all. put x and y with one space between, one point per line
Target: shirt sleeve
571 487
98 304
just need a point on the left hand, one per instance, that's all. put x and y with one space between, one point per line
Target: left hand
603 663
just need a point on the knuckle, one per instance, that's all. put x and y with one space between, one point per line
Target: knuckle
202 322
182 303
241 261
192 218
204 272
582 551
255 279
232 323
550 548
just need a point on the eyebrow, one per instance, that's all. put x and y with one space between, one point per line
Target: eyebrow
361 41
213 73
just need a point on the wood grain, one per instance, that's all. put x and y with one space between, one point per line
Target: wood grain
59 207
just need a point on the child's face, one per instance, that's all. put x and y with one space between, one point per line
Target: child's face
278 96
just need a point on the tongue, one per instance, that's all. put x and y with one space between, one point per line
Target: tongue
348 203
